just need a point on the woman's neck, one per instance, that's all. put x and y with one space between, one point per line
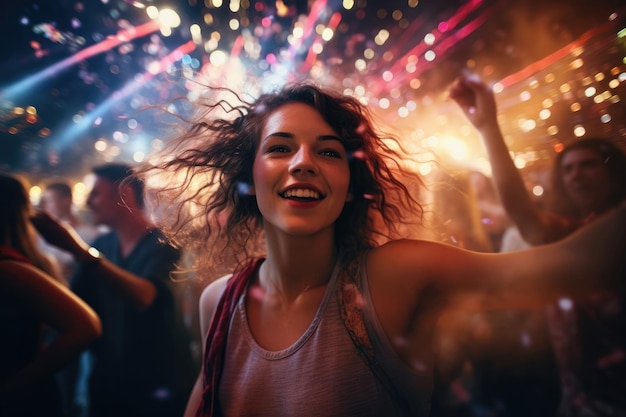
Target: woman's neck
297 264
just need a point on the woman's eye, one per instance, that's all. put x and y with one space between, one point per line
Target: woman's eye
277 148
331 152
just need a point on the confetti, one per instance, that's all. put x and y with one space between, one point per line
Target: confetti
90 71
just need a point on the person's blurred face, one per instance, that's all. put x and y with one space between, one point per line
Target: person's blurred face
104 202
586 179
56 204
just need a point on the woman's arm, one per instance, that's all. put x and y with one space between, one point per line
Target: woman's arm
478 103
413 281
76 323
207 304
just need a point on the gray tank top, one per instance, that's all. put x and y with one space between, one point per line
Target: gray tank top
321 374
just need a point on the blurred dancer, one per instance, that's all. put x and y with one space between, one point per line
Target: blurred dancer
57 200
29 300
589 179
126 280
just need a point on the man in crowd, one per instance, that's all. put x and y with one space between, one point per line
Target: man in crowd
125 277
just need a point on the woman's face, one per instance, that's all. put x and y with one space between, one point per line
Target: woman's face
300 173
586 179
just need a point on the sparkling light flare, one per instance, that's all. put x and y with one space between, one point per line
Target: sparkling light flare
74 130
14 91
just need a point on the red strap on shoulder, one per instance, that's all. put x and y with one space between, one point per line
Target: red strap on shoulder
217 335
10 254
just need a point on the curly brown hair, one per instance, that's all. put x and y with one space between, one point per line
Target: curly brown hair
208 169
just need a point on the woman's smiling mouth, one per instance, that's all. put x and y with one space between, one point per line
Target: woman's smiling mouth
302 194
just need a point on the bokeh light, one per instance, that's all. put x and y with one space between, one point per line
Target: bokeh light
82 86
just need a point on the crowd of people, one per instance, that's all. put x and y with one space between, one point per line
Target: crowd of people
325 305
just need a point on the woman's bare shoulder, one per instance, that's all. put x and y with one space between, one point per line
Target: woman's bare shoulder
407 255
405 265
209 298
212 292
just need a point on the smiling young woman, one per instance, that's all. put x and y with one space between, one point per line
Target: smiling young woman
331 314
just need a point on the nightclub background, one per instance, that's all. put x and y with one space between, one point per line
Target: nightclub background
79 79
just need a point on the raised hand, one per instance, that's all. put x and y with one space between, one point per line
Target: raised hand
58 234
476 100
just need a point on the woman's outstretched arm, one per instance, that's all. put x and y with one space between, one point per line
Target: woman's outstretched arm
409 278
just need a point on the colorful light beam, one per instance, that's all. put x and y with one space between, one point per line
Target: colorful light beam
15 91
72 132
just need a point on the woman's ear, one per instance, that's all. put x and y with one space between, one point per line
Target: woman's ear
251 191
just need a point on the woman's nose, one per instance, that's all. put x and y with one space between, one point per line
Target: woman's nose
303 162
